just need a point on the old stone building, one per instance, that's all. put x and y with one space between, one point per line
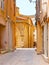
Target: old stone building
7 25
28 35
39 29
43 30
24 32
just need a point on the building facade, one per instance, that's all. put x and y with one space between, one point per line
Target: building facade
44 24
24 32
7 25
39 29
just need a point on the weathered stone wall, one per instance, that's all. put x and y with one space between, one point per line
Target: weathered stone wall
22 37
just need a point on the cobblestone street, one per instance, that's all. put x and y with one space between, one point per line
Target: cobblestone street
22 57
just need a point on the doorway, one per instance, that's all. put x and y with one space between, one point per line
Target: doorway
46 39
1 36
43 39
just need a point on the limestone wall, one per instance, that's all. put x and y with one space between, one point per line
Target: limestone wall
22 35
39 38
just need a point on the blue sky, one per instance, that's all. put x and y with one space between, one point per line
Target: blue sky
26 8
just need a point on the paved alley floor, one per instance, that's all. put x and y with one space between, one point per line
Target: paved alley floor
22 57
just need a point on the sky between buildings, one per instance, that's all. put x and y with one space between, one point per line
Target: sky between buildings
25 7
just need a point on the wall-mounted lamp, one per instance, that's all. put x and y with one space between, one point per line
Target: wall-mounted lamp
40 12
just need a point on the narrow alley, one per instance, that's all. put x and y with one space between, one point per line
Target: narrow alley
24 32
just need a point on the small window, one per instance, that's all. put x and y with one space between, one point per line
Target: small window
2 4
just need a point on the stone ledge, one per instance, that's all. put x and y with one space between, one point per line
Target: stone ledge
40 52
6 51
45 58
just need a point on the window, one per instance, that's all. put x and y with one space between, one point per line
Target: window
2 4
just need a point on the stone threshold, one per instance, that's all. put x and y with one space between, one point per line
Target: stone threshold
25 48
3 51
